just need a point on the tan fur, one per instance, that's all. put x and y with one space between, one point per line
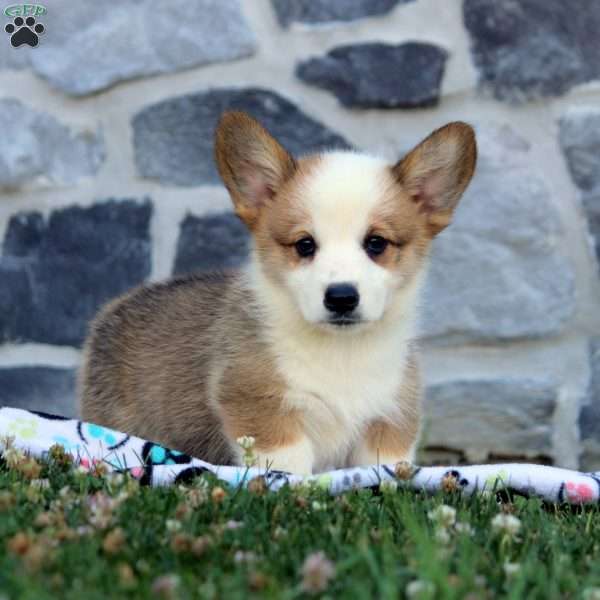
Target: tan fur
132 381
198 361
399 220
286 221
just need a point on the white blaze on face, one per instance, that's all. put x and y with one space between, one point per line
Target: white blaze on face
340 196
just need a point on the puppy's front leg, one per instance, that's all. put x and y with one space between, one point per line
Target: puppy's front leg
279 439
384 442
296 457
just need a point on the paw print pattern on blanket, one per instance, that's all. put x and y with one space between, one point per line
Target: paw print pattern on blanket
156 454
188 475
578 493
352 479
88 432
272 476
24 428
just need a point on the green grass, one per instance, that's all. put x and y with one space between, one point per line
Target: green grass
255 545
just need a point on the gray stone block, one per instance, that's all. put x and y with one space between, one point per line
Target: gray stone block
589 419
213 242
580 142
36 149
491 417
579 134
500 270
90 45
313 12
591 205
55 275
528 49
376 75
47 389
174 139
589 416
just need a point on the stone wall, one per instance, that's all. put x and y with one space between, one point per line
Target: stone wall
107 180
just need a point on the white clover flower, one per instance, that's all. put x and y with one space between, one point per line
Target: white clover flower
418 587
81 471
317 571
507 524
511 569
13 456
84 530
173 525
165 586
101 508
65 493
443 515
242 556
42 484
388 485
316 505
465 528
246 442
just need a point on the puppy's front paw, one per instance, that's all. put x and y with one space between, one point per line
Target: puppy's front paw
363 456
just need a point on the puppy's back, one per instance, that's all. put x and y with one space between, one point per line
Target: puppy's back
147 360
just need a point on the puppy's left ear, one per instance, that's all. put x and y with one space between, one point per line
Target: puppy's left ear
436 173
251 162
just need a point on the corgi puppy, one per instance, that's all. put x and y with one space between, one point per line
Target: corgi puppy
310 349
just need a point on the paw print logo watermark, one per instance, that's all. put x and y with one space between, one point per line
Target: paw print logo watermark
24 29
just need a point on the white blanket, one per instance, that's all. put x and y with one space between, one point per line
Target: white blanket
153 464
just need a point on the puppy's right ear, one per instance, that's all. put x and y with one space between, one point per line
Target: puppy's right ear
436 173
252 164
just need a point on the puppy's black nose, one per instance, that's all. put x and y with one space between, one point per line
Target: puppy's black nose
341 298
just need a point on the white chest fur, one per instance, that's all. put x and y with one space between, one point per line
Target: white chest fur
340 388
342 382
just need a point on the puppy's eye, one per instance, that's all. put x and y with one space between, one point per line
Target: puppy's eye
375 245
306 247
